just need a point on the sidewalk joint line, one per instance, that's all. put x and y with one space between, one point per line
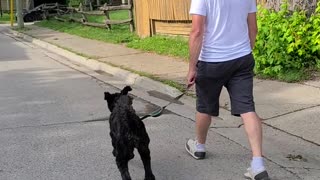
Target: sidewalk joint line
298 110
306 168
314 143
57 124
283 167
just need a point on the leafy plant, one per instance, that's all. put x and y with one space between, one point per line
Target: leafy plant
287 42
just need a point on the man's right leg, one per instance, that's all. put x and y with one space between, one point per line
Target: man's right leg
203 122
208 89
196 148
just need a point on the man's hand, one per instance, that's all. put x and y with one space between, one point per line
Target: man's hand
191 77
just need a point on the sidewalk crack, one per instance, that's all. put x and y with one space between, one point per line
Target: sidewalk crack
58 124
298 110
314 143
305 168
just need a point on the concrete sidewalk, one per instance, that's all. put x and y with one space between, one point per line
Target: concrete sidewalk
290 111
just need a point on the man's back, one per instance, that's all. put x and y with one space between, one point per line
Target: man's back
226 32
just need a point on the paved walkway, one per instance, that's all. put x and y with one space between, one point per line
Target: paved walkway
292 108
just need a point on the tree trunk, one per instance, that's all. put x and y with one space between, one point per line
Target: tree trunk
19 14
0 8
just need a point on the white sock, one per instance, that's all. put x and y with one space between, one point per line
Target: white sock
257 164
200 147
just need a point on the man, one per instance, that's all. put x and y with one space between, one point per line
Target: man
221 41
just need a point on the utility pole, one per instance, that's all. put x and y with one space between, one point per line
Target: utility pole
11 13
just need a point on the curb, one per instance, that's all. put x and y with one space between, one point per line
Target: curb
128 77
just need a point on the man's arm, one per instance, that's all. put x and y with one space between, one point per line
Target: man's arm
252 27
195 44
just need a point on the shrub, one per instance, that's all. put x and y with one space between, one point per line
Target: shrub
287 41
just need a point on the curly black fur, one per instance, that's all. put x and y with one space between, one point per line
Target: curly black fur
127 132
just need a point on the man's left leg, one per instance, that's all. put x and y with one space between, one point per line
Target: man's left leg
252 125
253 128
240 88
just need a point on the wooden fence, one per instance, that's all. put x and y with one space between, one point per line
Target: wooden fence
103 11
170 17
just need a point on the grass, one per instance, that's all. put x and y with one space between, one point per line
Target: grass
119 15
164 45
292 76
120 34
5 18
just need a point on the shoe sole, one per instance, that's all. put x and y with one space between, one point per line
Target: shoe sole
248 176
187 149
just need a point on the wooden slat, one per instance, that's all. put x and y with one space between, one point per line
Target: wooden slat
114 8
118 21
94 24
95 13
60 19
76 19
172 28
170 9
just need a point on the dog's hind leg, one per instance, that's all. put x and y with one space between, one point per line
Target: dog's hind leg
123 168
146 159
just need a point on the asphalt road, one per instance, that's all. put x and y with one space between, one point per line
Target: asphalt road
53 125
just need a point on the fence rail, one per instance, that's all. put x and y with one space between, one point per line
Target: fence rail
103 11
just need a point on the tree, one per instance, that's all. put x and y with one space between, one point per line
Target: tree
0 8
19 14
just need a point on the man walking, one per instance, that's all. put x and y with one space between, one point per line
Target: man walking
221 41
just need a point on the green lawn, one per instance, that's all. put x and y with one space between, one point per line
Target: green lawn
5 18
118 34
172 46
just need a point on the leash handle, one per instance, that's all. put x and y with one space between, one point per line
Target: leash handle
158 112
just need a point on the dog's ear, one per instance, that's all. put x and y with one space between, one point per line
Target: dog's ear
125 90
107 95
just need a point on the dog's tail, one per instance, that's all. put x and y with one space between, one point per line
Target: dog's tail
125 90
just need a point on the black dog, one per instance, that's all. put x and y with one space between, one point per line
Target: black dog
127 132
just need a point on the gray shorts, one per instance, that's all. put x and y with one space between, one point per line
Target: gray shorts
236 75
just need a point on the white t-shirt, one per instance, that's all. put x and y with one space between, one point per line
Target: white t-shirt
226 34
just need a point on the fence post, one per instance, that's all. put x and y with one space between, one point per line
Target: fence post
107 17
91 8
142 18
131 16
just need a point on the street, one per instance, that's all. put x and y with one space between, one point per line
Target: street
53 125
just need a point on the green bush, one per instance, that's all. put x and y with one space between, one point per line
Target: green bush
287 42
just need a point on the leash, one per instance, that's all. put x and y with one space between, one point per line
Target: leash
158 112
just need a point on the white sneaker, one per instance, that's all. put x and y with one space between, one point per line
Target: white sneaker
191 147
261 175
